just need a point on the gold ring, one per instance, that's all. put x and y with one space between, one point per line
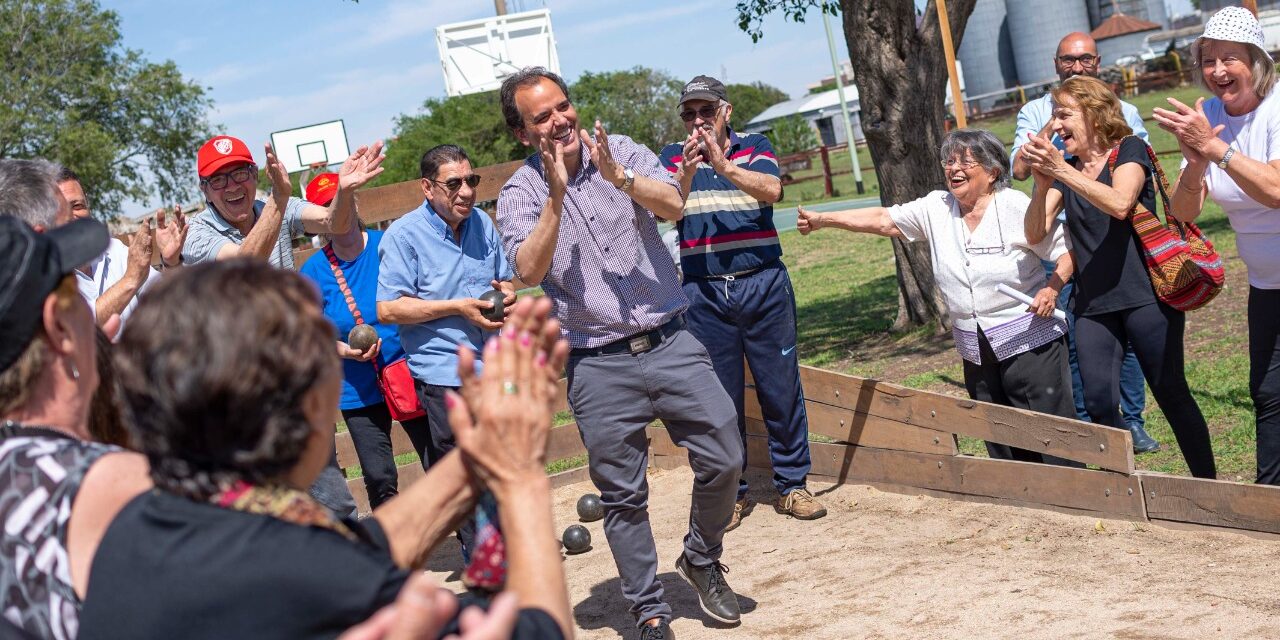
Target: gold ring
509 388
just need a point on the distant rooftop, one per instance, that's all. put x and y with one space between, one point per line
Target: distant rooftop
1122 25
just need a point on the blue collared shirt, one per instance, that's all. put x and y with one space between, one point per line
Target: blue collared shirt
422 259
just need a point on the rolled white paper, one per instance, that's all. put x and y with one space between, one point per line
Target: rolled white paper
1023 298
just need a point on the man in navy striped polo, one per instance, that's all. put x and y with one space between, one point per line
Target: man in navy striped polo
740 298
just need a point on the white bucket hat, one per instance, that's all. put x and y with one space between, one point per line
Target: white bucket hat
1233 24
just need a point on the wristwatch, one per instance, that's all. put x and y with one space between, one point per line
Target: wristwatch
629 178
1226 157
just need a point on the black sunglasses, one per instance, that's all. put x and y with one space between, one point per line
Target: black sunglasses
238 176
708 113
453 184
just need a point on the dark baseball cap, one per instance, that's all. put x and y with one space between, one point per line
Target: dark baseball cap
33 264
704 88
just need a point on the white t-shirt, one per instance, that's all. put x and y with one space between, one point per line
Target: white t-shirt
107 270
968 266
1257 135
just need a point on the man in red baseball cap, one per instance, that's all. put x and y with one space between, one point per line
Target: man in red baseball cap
235 224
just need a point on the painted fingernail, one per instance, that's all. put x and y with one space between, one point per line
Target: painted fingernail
525 338
491 344
509 335
540 359
449 402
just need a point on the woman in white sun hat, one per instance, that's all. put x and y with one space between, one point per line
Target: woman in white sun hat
1231 143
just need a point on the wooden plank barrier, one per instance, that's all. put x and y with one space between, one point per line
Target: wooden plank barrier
1211 502
854 427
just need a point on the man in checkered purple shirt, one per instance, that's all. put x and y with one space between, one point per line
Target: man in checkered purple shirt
578 219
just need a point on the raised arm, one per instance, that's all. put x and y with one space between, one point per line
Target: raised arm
533 256
664 200
264 235
359 168
1115 200
1042 213
116 298
1022 170
1200 144
765 187
427 511
867 220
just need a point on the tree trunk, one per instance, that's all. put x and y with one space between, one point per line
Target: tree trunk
901 75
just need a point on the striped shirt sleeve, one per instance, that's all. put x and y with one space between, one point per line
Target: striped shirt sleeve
670 157
762 159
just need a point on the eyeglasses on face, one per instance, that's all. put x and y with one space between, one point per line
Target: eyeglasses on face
238 176
453 184
960 163
1087 60
707 112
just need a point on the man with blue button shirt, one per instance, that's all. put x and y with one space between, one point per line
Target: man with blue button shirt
579 219
436 261
1078 55
740 297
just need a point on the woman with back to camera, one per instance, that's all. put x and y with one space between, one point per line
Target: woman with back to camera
1110 172
1231 149
1014 354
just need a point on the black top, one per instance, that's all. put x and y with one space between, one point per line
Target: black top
1110 274
169 567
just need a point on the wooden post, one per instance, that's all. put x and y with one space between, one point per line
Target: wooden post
827 187
957 100
1251 5
500 7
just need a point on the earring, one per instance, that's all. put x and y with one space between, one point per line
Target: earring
75 373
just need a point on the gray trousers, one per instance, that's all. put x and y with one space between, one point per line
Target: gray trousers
614 397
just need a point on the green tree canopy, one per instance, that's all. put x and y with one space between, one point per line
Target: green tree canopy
750 100
640 103
74 95
792 134
473 122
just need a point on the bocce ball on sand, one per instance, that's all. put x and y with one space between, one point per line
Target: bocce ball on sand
362 338
590 508
576 539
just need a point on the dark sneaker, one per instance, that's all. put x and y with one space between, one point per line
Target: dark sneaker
1142 442
714 594
740 508
660 632
801 505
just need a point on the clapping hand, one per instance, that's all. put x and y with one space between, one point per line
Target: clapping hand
602 157
1190 127
281 185
711 145
171 235
141 247
553 169
1042 156
691 154
361 166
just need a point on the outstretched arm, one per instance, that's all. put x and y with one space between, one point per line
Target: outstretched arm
868 220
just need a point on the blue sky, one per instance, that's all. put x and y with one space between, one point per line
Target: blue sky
276 65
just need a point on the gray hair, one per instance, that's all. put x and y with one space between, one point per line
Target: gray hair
29 191
1264 68
526 77
986 149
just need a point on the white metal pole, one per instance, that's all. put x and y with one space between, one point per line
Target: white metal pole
844 106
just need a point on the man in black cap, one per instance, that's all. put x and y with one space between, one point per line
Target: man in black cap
740 296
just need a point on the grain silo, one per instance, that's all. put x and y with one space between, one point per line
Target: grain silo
1035 27
986 53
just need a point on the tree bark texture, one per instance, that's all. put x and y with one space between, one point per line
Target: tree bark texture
901 75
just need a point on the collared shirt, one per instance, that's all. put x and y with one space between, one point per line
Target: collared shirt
724 229
105 272
610 276
421 258
208 232
968 266
1034 115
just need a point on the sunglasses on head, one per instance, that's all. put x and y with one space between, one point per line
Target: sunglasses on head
237 176
453 184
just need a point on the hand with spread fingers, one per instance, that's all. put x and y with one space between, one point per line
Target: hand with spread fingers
553 169
141 248
281 184
171 234
361 166
710 144
1196 137
601 156
502 418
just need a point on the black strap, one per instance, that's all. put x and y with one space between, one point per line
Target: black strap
11 429
347 295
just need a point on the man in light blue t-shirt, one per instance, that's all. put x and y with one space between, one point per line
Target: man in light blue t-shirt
1078 55
436 262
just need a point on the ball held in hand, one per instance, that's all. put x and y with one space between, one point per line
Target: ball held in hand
362 338
496 297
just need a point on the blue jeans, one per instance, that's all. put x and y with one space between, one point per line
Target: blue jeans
1133 389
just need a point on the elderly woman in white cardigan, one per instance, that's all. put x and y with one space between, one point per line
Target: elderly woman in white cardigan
1015 354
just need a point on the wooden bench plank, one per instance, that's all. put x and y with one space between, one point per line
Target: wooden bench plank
855 427
1211 502
1101 492
1066 438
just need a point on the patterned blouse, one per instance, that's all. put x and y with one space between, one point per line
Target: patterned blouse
40 474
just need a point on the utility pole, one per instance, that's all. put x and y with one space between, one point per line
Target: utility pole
957 100
500 6
1251 5
844 106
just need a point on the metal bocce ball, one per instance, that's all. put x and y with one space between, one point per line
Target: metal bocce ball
362 338
590 508
496 297
576 539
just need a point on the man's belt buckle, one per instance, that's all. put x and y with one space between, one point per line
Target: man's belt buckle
639 344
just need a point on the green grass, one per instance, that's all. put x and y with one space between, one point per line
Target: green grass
846 296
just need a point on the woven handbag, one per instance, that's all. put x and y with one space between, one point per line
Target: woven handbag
1186 271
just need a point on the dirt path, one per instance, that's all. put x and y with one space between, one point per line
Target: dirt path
883 565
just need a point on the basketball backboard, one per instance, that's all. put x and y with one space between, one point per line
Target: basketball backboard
478 54
317 144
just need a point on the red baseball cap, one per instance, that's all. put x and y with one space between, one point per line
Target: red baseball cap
219 152
322 188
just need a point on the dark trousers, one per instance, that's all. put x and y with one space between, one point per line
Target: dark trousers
755 316
1155 331
1037 380
1264 378
370 429
1133 387
432 399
